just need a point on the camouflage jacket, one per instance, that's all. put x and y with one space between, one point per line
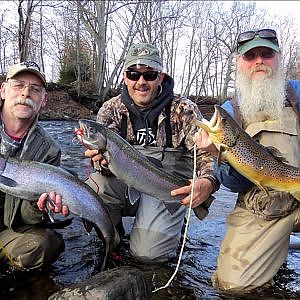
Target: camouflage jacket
182 116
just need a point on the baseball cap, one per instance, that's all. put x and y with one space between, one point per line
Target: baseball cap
143 54
26 66
257 38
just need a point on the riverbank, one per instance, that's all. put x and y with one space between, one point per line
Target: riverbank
61 106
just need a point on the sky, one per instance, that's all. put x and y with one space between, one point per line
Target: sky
276 8
282 8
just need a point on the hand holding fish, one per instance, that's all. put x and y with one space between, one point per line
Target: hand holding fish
204 143
202 190
99 161
95 156
54 204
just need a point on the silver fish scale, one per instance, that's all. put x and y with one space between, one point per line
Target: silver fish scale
29 179
130 165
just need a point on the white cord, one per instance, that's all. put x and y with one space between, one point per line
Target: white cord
186 226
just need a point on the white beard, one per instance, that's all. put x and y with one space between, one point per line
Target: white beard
264 96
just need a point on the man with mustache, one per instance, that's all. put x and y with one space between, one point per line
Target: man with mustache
267 107
161 125
24 242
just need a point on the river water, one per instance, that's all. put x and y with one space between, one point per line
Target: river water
83 251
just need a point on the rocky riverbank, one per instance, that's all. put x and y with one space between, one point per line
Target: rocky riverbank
61 106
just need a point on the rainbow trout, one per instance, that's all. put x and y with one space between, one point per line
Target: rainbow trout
29 179
248 157
130 165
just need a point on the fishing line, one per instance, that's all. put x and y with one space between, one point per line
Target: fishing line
186 226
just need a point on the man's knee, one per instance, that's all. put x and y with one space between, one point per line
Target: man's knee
239 284
111 191
150 246
37 249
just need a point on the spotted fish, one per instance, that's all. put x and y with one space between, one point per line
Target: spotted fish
248 157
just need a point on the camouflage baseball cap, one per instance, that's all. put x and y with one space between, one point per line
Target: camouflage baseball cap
26 66
143 54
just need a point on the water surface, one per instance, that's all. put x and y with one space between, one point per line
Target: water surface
83 252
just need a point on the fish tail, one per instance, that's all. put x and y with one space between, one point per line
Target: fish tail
109 244
105 257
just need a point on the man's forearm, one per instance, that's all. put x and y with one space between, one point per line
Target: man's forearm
230 178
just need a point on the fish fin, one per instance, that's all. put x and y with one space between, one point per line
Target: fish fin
219 159
58 224
172 206
133 195
87 225
276 154
109 243
223 148
7 181
296 195
263 189
104 259
155 161
203 123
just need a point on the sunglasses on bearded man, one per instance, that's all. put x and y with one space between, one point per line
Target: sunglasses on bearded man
264 54
268 34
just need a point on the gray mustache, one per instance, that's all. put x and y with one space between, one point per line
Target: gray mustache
29 102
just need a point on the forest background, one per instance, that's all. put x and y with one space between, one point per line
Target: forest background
82 44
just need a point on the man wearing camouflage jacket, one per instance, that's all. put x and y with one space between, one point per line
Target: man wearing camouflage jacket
160 125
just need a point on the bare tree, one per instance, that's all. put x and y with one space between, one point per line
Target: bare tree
24 28
197 39
94 14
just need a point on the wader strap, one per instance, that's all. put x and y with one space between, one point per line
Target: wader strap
168 127
292 99
237 114
123 132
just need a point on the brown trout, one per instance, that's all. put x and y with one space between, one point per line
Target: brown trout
248 157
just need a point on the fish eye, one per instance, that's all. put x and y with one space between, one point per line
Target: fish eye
92 130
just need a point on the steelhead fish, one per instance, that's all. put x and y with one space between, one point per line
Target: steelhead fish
248 157
29 179
130 165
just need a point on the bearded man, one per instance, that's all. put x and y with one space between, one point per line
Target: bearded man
257 238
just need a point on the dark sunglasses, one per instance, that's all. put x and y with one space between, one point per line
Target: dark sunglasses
265 54
250 35
148 75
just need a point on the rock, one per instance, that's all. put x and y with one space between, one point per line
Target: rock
126 283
